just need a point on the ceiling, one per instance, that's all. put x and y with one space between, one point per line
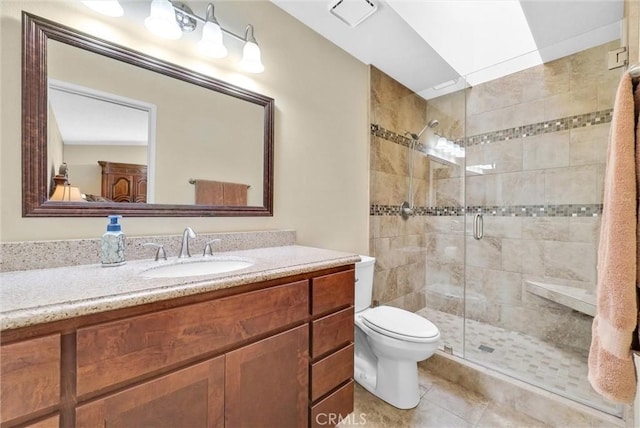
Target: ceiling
413 41
84 117
427 45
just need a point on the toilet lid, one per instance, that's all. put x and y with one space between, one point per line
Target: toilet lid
396 322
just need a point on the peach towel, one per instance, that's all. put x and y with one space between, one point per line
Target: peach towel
234 194
611 369
210 192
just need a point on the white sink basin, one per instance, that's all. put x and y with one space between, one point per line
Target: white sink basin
208 266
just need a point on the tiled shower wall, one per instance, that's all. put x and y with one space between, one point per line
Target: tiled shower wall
397 244
541 136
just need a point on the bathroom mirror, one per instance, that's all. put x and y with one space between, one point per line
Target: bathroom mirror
212 132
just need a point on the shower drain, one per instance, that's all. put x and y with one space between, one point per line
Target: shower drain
485 348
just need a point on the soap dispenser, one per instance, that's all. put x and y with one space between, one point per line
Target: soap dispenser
113 243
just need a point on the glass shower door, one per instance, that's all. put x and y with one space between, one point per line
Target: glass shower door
535 150
444 222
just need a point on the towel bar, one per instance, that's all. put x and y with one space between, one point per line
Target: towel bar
192 181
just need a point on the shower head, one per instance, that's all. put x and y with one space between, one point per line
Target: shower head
431 124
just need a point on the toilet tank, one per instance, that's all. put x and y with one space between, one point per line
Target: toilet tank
364 282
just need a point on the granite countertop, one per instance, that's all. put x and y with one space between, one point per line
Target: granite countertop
38 296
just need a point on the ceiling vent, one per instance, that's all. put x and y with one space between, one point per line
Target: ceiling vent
353 12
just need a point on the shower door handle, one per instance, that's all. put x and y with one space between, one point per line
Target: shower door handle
478 227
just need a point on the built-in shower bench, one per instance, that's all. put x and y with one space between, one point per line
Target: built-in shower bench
575 298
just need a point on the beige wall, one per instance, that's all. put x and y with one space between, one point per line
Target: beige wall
84 170
321 127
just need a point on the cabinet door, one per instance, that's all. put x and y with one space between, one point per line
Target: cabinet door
192 397
120 188
266 383
140 189
30 377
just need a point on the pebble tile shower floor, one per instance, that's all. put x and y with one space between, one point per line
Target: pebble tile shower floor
526 357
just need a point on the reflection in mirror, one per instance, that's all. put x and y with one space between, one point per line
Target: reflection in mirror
138 136
86 125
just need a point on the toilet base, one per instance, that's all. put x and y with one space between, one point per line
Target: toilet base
395 382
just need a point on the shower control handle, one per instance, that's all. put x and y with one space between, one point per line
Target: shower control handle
478 227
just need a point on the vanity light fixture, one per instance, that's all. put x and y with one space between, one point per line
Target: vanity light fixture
111 8
162 20
251 53
211 43
169 19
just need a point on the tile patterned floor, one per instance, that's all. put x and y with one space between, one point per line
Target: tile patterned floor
443 404
524 357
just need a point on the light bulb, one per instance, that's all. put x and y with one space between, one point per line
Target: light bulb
211 43
162 20
251 61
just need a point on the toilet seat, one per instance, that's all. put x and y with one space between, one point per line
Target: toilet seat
400 324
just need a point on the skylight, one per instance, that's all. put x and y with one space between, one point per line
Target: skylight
481 40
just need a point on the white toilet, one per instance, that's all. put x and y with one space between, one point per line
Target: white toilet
389 342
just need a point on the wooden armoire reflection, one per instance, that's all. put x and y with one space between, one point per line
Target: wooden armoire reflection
124 182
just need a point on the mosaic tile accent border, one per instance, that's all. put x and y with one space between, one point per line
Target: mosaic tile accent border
390 210
388 135
539 128
564 210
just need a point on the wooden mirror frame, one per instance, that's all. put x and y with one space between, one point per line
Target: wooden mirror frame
36 32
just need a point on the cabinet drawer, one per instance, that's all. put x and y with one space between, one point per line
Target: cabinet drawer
192 397
30 373
332 332
328 412
332 291
111 353
331 371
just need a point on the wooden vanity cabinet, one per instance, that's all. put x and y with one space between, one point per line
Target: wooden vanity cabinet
191 397
266 383
113 353
29 378
332 359
50 422
243 358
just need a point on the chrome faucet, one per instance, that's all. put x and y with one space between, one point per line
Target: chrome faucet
184 250
160 252
207 248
